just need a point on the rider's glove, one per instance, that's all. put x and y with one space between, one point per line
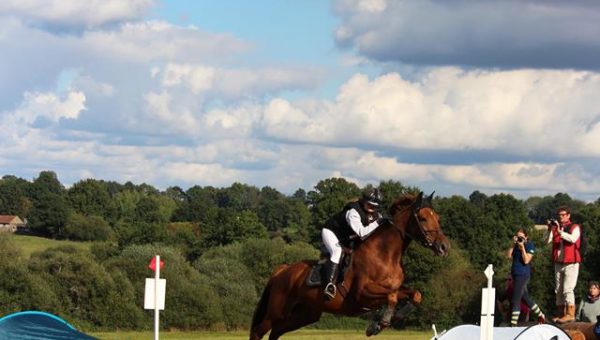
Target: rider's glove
385 220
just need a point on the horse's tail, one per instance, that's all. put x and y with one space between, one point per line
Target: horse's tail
261 308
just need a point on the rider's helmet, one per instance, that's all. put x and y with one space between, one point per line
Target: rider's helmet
372 197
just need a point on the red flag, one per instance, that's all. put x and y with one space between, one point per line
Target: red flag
152 264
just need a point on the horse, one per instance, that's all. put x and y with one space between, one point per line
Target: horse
373 279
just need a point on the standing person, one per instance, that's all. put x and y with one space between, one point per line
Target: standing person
356 219
521 254
589 309
564 236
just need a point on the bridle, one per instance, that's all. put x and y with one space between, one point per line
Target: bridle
424 235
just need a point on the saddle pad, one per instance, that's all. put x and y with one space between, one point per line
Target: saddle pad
314 278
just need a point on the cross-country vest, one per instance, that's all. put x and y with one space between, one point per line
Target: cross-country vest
340 227
571 253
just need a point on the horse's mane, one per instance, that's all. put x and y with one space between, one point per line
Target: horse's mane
402 202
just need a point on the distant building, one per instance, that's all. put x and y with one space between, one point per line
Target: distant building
10 223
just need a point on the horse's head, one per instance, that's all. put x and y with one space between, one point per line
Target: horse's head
423 223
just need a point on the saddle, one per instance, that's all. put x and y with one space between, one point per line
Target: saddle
315 278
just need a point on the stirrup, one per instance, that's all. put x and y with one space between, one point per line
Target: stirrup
330 291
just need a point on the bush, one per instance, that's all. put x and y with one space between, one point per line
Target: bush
87 228
86 292
233 283
19 288
190 303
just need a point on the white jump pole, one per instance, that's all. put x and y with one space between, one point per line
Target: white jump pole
488 302
156 278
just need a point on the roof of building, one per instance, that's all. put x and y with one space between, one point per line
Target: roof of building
7 219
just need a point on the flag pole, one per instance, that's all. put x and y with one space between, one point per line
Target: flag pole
156 278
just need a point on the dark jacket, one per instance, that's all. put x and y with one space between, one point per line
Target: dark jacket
340 227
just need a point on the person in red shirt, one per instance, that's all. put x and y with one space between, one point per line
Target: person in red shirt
564 236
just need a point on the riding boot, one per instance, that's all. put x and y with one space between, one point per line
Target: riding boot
330 276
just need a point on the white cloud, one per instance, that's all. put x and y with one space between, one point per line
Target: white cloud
87 13
523 113
237 83
50 106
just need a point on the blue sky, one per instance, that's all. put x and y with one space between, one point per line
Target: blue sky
495 96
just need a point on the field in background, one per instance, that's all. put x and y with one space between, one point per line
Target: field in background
30 244
308 334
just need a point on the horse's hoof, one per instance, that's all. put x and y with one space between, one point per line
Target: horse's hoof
373 329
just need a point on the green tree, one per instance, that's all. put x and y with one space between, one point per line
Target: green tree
87 228
234 226
239 197
329 197
50 206
91 197
13 196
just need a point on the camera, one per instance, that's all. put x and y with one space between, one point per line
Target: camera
553 222
520 239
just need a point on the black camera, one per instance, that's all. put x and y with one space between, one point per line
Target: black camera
520 239
553 221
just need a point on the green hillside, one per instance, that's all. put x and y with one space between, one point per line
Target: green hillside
31 244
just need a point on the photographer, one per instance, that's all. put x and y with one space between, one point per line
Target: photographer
522 253
564 236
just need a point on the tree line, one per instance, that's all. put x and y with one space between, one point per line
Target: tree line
220 245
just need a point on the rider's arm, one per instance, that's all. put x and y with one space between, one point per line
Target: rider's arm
353 219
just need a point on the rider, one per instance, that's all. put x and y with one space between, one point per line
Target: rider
357 219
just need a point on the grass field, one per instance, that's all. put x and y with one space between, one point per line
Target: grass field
31 244
309 334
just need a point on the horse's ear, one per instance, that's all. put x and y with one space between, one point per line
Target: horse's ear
418 201
430 198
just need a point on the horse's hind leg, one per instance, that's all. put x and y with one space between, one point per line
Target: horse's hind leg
300 316
260 330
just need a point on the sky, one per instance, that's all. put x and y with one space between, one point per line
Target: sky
451 96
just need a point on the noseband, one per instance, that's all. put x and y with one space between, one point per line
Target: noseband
423 236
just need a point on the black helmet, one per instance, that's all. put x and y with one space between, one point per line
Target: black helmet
373 197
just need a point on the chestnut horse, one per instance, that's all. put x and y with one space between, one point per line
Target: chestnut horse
373 279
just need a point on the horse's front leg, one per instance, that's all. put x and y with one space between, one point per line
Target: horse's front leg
376 325
414 299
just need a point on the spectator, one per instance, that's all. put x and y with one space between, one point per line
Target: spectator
564 237
522 253
589 309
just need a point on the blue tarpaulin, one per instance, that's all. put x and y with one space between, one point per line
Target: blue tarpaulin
34 325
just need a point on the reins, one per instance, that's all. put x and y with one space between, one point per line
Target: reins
424 234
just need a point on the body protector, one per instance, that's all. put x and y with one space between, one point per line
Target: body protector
338 224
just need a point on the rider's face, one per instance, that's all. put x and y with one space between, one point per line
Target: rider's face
370 208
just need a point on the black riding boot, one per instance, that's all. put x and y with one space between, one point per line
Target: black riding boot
330 276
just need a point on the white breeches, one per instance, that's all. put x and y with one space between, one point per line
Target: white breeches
332 244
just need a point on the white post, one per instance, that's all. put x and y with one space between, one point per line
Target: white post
488 302
156 278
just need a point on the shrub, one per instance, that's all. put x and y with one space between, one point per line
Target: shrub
190 301
233 283
87 228
86 292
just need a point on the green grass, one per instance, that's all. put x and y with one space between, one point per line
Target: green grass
31 244
309 334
